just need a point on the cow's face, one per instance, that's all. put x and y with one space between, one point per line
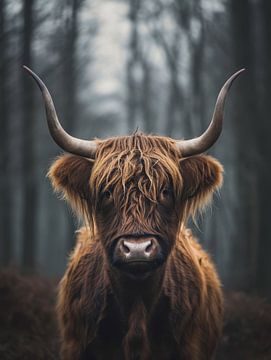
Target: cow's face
137 192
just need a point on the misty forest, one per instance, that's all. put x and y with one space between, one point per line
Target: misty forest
115 66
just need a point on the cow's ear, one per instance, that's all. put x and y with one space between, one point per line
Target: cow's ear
70 175
202 175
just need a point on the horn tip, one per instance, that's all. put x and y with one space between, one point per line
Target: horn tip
229 82
27 69
35 77
238 72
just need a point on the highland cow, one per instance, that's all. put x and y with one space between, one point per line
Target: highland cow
138 285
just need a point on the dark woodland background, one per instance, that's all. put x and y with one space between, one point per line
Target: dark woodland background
113 65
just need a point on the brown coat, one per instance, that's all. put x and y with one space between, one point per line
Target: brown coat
182 322
138 183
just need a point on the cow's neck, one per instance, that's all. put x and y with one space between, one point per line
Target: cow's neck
137 300
130 292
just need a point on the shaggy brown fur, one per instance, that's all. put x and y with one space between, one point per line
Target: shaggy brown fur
138 184
28 328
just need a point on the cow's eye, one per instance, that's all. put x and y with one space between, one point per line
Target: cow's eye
165 194
107 195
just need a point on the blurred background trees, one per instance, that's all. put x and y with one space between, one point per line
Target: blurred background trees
116 65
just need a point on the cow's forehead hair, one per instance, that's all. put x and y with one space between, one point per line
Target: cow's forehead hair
146 144
151 161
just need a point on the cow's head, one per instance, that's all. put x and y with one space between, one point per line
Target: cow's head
136 191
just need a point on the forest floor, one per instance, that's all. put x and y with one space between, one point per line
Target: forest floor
247 328
28 327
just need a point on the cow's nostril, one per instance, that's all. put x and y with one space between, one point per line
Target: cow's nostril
125 248
149 248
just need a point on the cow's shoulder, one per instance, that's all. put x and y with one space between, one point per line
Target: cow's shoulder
85 243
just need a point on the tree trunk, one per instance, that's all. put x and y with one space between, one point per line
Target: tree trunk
146 96
198 109
264 146
175 99
247 239
6 237
29 182
69 81
132 101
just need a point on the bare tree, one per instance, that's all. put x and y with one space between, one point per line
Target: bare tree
70 63
29 182
6 237
146 95
69 84
132 65
246 244
175 93
264 146
197 63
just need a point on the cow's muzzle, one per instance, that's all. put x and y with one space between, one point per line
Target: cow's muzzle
138 255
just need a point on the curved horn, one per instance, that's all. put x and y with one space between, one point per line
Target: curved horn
64 140
210 136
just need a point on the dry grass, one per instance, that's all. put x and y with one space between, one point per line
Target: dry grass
27 317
